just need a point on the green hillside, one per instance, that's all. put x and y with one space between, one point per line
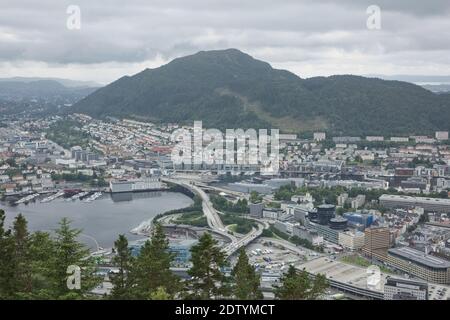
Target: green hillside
230 89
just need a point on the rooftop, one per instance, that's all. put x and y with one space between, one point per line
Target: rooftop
419 257
415 199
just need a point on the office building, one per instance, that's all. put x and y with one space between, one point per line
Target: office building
376 239
358 220
256 210
338 223
352 240
428 204
325 213
405 289
307 234
325 231
419 264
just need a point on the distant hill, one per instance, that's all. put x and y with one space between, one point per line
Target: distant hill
65 82
40 89
437 88
230 89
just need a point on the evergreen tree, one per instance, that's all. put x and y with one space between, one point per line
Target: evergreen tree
123 259
299 286
70 252
246 280
6 261
152 267
160 294
42 253
21 260
207 281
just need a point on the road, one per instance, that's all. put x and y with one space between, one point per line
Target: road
214 221
212 216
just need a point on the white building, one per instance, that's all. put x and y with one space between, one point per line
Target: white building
405 289
319 136
359 201
441 135
342 198
351 240
399 139
374 138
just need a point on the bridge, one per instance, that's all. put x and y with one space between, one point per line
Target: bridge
214 220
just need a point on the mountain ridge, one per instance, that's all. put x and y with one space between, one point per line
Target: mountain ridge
231 89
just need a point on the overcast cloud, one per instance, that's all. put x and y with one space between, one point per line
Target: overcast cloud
307 37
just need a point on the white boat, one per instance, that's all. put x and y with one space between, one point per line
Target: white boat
78 196
93 197
27 198
53 197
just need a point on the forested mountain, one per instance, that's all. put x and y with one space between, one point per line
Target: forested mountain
230 89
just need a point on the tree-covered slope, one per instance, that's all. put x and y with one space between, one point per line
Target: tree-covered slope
230 89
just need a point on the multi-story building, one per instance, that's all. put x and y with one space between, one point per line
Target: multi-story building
376 239
271 213
351 240
329 234
428 204
256 209
419 264
358 219
405 289
307 234
359 201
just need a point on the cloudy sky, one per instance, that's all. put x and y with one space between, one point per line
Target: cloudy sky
307 37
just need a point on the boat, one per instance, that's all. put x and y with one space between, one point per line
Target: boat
27 198
77 196
93 197
53 197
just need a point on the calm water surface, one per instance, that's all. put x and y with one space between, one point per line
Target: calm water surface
103 219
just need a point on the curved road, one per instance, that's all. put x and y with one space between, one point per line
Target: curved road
214 221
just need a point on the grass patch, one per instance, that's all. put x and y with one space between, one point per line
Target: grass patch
195 218
359 261
240 224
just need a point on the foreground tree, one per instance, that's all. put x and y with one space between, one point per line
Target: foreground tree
34 266
207 281
42 252
299 286
122 281
246 282
160 294
21 259
6 261
70 252
152 268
